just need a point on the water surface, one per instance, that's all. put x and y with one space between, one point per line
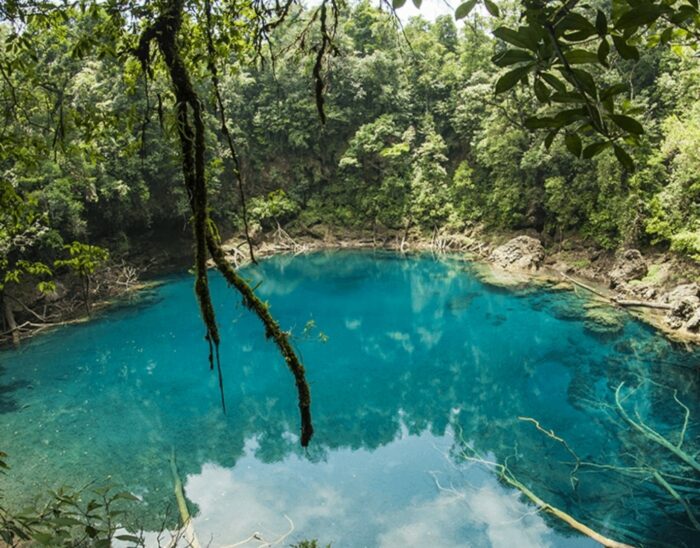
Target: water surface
415 368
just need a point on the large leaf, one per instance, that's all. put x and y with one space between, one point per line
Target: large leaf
520 38
541 91
601 23
465 9
643 14
613 90
603 52
628 124
623 158
624 49
580 56
573 143
511 78
512 56
396 4
492 8
540 123
596 148
553 81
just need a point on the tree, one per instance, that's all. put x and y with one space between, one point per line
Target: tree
84 260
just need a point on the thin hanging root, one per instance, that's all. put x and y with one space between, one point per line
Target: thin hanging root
211 63
653 435
272 329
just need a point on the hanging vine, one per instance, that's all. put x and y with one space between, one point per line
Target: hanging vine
164 33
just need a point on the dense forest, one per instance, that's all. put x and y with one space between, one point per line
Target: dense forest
414 138
564 121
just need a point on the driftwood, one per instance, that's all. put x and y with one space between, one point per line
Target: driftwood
635 304
613 300
185 518
654 436
507 476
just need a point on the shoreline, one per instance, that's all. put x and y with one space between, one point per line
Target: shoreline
560 270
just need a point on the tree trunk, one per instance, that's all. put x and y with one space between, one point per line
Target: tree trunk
86 294
10 319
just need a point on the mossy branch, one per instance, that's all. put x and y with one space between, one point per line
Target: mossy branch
272 330
192 139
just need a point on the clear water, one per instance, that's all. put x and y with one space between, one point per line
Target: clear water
423 364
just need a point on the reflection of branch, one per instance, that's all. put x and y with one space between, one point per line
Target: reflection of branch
550 434
688 510
653 435
507 476
265 544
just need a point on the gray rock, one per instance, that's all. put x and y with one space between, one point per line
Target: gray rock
521 253
693 324
685 291
629 265
685 302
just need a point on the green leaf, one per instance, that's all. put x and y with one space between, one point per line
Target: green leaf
568 116
577 22
511 56
510 79
579 78
624 49
541 91
553 81
520 38
628 124
540 123
417 3
601 24
549 139
568 97
623 158
643 14
596 148
465 9
396 4
580 56
615 89
603 52
573 143
492 8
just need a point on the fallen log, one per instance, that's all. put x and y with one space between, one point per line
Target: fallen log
614 300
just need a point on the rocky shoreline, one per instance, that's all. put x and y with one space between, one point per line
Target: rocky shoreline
659 289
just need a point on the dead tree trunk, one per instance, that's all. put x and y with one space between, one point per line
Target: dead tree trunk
9 315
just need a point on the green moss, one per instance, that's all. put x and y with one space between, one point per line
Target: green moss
604 320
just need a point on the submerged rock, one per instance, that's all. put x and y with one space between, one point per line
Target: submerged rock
521 253
629 265
604 321
567 310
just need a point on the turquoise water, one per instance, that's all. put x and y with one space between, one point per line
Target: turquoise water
419 366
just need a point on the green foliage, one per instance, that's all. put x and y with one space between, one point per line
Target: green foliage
414 138
69 518
687 243
84 258
564 51
276 206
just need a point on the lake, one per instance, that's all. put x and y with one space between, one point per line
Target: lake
418 370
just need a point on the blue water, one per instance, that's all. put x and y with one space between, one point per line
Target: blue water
416 368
